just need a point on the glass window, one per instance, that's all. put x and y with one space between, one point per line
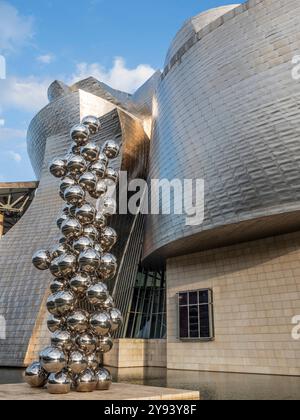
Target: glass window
196 315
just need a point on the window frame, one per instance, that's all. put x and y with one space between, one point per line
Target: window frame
210 306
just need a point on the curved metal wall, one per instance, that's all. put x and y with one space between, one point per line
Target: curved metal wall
227 110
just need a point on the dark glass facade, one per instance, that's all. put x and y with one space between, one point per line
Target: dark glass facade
147 316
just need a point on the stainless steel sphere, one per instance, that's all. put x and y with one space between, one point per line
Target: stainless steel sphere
35 375
100 323
78 322
90 152
105 344
54 268
88 181
67 264
58 285
51 306
58 168
91 232
80 283
71 228
92 123
55 323
64 303
82 244
61 219
89 261
74 149
80 134
98 248
112 175
103 159
99 191
53 360
93 361
59 383
59 250
76 165
78 362
108 304
97 294
86 214
98 169
108 266
86 381
100 221
109 207
111 149
62 340
66 209
42 260
66 183
116 319
104 379
74 195
108 238
87 343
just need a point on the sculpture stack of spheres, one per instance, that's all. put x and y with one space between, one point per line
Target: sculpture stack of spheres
80 264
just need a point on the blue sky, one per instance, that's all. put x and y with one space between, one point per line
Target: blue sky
121 42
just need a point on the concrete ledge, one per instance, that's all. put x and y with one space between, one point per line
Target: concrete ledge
123 392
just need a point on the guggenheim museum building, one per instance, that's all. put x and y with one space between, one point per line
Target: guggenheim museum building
221 295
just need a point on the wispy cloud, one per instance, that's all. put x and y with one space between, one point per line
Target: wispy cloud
14 156
118 77
15 29
46 59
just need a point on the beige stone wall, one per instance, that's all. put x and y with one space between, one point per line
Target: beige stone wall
256 289
137 353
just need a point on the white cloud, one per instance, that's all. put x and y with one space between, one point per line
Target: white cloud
26 94
14 156
118 77
15 29
46 59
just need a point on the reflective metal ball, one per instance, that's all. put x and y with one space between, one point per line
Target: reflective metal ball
59 383
97 294
99 190
86 214
66 183
112 175
74 149
76 165
98 248
103 159
67 264
105 344
51 306
62 340
54 323
108 266
58 285
108 304
54 268
80 283
78 322
116 319
92 123
42 260
87 343
53 360
35 375
100 323
71 228
111 149
108 238
109 207
74 195
88 181
90 152
100 221
64 303
98 169
89 261
82 244
80 134
59 250
86 381
91 232
93 361
78 362
104 379
58 168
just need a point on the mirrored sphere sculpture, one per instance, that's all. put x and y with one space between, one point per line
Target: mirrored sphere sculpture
66 183
78 362
74 149
51 306
88 180
116 319
105 344
78 322
99 191
53 360
104 379
62 339
58 168
93 361
86 214
82 244
59 383
100 221
90 152
109 207
87 342
35 375
80 283
89 261
80 134
86 381
98 169
55 323
64 303
74 195
58 250
91 232
112 175
67 264
108 266
97 294
92 123
76 165
100 323
71 228
108 239
58 285
42 260
111 149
